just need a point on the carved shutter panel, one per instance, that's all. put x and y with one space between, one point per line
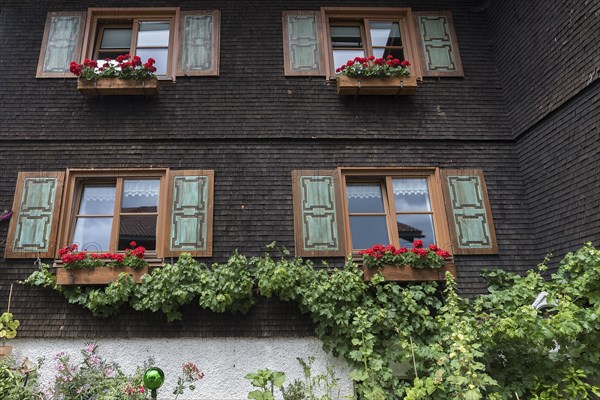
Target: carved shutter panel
63 36
469 213
199 50
34 224
318 222
190 213
438 44
302 50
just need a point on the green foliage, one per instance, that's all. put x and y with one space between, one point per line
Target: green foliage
8 326
495 346
95 378
265 380
323 386
18 383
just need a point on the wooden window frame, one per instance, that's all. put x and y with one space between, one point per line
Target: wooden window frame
363 15
136 15
385 176
74 180
100 37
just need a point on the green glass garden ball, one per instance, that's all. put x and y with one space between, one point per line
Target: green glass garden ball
154 378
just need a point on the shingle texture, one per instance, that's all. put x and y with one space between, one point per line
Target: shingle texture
549 61
547 52
253 126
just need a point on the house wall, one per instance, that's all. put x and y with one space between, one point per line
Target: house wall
252 126
224 361
549 64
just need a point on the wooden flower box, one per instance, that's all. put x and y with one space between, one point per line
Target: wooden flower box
96 276
410 274
393 86
118 87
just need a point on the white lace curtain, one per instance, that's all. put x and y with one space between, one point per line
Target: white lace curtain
401 187
131 188
147 188
404 187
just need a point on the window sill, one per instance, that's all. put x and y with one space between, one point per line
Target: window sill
392 86
410 274
100 275
119 87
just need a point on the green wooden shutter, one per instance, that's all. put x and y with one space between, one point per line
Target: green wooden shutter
318 223
468 209
199 35
302 51
36 206
63 36
190 218
438 44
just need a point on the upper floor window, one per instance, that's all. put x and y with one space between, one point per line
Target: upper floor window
147 33
365 38
362 32
317 42
182 43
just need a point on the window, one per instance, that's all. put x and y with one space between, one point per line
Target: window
142 32
396 208
164 210
358 32
354 208
182 43
106 211
108 215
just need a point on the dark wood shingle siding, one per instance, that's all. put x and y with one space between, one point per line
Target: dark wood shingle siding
252 90
547 52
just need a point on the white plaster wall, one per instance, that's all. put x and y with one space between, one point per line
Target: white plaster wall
224 361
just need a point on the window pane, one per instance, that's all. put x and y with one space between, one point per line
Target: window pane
116 38
341 57
97 200
139 228
367 231
383 53
93 234
103 55
385 34
415 226
140 195
411 195
160 55
153 34
346 36
364 198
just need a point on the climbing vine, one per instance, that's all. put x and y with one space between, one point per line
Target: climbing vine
414 341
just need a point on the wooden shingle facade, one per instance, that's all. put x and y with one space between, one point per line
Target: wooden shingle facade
519 111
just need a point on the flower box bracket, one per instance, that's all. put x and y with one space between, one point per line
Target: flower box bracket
119 87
